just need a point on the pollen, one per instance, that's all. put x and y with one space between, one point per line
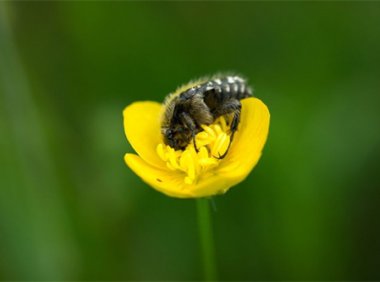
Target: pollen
211 143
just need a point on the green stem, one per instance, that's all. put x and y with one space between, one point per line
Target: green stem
206 239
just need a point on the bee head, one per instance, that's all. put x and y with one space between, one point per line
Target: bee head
177 137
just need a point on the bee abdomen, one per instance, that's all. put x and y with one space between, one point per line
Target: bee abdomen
229 87
221 88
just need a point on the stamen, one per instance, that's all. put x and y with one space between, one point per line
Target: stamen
220 145
223 124
209 131
212 143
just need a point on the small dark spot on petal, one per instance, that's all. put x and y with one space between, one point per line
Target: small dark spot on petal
159 180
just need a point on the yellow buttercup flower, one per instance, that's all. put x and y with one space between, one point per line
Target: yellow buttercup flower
195 172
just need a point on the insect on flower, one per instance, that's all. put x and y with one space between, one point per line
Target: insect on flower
201 104
206 137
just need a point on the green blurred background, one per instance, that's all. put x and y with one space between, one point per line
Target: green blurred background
71 210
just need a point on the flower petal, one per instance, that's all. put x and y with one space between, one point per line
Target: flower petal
168 182
172 183
249 140
142 128
212 184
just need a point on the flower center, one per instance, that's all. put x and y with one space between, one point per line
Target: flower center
211 143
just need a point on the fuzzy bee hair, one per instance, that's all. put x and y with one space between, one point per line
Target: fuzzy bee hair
201 102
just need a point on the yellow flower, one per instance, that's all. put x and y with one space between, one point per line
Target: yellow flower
188 173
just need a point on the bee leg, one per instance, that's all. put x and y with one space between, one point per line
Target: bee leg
233 107
234 125
195 145
189 123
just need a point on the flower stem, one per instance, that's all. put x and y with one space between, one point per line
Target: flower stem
206 239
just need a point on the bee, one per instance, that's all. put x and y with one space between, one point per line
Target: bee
201 102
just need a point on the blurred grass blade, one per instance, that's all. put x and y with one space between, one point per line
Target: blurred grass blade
33 219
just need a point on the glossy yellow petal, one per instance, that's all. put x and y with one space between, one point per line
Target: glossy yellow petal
172 183
249 140
166 181
213 183
142 128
